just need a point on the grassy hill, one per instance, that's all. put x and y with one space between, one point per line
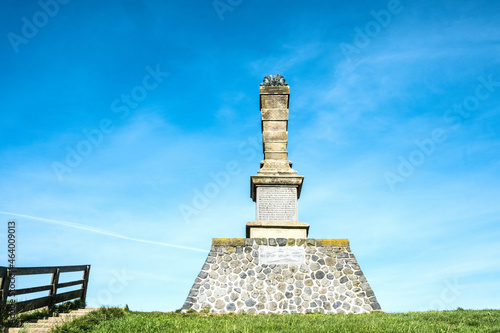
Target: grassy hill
119 320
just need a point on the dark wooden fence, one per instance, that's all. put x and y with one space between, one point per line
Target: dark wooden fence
7 273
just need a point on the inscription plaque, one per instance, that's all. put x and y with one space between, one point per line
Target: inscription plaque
276 203
281 255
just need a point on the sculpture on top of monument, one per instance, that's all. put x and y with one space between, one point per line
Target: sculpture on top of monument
274 80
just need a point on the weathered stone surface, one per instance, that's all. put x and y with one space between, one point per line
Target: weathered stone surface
330 261
314 266
219 304
319 284
211 260
276 203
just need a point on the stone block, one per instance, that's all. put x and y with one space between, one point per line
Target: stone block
274 146
228 242
276 229
275 155
274 114
332 242
274 101
274 136
274 90
274 125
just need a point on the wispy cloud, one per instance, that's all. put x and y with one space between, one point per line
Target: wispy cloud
101 231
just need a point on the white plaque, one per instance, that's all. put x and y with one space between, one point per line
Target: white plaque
281 255
276 203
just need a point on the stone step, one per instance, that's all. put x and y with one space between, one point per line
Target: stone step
86 310
40 325
29 330
64 317
73 314
61 318
45 325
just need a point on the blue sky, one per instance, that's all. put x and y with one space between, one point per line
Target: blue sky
130 129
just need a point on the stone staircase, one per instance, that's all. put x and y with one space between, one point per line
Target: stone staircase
45 325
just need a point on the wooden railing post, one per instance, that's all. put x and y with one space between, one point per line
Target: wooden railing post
4 289
53 290
85 284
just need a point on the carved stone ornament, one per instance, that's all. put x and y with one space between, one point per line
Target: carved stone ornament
274 80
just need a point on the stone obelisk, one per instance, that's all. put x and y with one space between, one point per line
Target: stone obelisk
276 187
276 268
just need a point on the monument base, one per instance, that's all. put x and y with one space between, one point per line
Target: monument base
281 275
277 229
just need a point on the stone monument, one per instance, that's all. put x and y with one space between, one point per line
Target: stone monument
276 268
276 187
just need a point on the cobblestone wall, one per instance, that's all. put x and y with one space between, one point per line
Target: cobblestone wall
233 279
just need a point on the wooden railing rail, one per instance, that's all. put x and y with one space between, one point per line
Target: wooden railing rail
6 274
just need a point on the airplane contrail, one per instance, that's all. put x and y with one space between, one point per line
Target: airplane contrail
103 232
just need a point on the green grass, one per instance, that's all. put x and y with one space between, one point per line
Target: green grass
88 323
119 320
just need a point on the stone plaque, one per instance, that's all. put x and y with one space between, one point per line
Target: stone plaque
276 203
281 255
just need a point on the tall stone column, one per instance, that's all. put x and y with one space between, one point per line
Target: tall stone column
276 187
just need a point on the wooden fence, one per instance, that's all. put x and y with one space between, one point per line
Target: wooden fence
6 275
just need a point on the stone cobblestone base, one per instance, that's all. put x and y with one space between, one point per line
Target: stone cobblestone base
329 280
